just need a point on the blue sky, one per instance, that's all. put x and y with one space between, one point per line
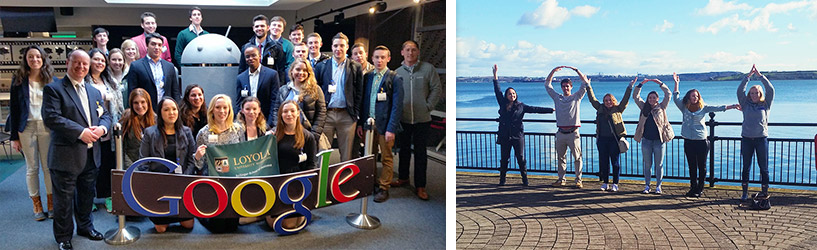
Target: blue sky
530 37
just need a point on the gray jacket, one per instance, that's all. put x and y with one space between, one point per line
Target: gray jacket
421 91
153 145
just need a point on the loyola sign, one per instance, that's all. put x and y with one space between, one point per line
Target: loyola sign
171 195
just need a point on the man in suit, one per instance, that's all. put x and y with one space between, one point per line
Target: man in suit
383 101
149 26
158 77
257 81
342 83
272 53
314 42
73 111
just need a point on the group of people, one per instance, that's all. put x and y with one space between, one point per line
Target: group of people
286 88
652 132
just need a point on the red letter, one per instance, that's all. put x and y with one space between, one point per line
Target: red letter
336 182
221 194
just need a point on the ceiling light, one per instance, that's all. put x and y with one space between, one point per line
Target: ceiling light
339 18
377 7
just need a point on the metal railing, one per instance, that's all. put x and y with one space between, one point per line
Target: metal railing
791 161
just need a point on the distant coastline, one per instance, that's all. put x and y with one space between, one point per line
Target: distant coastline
708 76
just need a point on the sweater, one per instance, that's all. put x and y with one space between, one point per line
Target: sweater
755 115
567 107
609 117
659 114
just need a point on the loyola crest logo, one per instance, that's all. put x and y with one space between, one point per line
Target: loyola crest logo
222 164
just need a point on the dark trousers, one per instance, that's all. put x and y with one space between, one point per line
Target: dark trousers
608 156
748 148
414 134
73 198
696 152
518 146
108 162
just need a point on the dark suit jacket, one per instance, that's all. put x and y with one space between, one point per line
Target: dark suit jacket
153 145
63 114
272 50
20 100
387 114
353 87
140 76
268 85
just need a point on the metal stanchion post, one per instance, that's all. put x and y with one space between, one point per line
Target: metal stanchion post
121 235
364 220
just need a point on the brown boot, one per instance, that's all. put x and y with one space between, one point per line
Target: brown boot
38 208
50 211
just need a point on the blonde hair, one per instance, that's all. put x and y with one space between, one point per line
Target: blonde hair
693 106
211 119
612 98
310 86
759 91
127 44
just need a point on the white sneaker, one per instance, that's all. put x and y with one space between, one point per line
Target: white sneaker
615 188
646 190
604 187
658 190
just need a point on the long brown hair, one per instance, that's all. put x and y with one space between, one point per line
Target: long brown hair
647 108
46 71
105 75
299 129
260 121
186 107
310 87
133 122
690 106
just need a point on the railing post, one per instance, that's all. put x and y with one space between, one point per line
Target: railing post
712 138
363 220
121 235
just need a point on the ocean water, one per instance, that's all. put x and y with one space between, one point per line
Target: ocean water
795 101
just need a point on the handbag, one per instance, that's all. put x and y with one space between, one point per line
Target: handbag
324 143
623 145
760 203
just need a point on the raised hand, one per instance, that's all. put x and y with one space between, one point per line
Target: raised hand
675 77
752 71
633 81
494 68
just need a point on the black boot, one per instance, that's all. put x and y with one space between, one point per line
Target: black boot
692 186
502 178
700 189
745 187
524 174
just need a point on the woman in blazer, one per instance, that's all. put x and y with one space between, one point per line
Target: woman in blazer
511 131
653 131
304 89
609 128
28 133
170 140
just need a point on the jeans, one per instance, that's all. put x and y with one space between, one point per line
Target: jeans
696 151
519 151
653 151
413 135
34 141
608 155
749 147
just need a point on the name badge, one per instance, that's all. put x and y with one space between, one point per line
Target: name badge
178 170
244 93
301 157
270 60
381 97
333 88
295 97
212 138
99 110
164 49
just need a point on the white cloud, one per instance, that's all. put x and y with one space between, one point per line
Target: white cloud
791 27
550 15
667 26
585 10
754 18
717 7
524 58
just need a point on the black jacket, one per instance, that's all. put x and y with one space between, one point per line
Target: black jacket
510 121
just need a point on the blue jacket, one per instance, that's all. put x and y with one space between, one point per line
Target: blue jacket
20 101
268 85
64 116
153 145
387 113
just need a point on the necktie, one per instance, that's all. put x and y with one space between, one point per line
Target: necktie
83 98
